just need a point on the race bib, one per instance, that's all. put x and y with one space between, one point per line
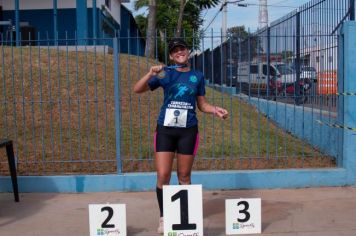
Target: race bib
176 117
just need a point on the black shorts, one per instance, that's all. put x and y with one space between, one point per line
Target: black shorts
181 140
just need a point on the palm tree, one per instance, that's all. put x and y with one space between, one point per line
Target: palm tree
151 26
200 4
193 9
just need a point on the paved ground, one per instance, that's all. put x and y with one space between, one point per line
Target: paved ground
312 211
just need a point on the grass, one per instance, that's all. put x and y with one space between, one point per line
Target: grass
59 107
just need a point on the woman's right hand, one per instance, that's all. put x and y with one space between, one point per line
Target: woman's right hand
155 70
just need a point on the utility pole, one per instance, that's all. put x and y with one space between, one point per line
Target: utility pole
224 21
224 15
263 15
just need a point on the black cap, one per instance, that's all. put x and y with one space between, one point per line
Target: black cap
175 43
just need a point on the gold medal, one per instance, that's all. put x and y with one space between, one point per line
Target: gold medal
161 74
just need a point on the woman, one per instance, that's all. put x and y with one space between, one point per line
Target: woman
177 124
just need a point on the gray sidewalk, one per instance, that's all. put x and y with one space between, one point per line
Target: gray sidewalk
311 211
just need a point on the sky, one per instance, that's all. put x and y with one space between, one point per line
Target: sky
247 16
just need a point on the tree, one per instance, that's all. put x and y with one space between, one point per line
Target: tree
238 32
151 29
170 18
249 44
151 25
198 4
141 22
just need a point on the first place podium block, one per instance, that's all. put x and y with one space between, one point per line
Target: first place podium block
183 210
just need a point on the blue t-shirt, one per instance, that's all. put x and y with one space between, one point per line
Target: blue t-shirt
180 92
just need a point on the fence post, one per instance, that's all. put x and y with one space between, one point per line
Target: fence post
352 9
17 22
347 104
82 21
55 22
95 19
117 105
268 60
297 61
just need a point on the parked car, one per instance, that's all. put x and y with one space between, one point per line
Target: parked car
308 72
254 76
282 80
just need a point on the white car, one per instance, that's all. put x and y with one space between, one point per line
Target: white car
256 73
308 72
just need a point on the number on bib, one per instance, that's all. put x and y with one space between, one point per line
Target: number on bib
175 117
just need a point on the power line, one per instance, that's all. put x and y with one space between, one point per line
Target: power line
206 12
294 7
276 5
217 13
271 5
283 1
232 2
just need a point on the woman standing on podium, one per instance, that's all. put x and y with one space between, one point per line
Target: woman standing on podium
177 124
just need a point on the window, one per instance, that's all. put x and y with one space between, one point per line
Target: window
317 59
272 71
254 69
108 4
108 30
264 70
284 69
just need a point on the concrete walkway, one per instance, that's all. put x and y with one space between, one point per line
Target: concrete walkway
312 211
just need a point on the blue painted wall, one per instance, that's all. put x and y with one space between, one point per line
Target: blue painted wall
347 73
82 21
42 20
66 22
298 120
302 122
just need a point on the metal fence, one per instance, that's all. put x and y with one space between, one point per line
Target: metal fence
55 105
300 47
71 109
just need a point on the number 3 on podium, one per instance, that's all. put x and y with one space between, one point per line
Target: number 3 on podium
243 216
